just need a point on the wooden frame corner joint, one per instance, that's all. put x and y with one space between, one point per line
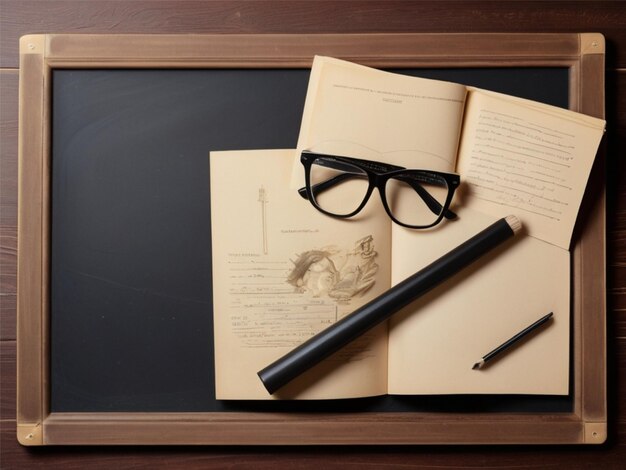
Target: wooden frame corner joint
595 432
592 43
30 434
32 44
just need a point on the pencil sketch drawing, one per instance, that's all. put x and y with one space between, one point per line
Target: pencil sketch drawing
340 274
263 200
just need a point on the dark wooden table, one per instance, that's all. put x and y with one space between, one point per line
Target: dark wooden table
19 17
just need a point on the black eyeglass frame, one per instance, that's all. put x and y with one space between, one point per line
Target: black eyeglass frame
378 173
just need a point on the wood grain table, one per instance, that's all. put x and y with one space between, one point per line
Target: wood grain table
19 17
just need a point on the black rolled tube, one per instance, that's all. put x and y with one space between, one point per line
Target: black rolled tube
379 309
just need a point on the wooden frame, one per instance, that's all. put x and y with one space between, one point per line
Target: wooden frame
582 54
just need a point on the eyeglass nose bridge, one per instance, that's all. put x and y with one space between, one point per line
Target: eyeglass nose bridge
372 184
379 181
436 207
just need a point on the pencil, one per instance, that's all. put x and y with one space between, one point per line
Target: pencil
507 344
330 340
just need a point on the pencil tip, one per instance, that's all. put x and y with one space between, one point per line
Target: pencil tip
478 365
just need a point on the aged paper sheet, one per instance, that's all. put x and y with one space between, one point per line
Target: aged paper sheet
362 112
520 157
282 272
434 342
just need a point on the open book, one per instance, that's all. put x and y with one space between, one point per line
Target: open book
283 271
514 156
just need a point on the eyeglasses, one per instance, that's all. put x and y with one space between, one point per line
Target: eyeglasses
341 186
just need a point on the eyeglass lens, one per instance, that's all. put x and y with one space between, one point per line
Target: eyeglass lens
338 187
414 200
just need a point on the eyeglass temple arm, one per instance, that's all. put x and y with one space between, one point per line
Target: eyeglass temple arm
430 201
329 183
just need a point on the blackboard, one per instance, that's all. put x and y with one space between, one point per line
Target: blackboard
131 307
115 340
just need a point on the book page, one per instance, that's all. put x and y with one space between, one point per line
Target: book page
282 272
528 159
435 341
361 112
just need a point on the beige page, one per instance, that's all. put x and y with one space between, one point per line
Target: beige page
282 271
434 342
361 112
521 157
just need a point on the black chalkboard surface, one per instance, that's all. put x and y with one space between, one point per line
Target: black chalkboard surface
130 294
